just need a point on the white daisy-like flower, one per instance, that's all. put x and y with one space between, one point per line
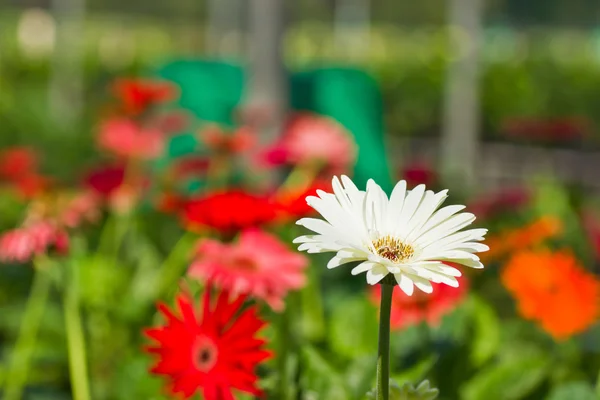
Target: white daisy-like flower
406 235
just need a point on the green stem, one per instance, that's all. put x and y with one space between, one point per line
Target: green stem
283 335
34 310
75 339
174 265
383 351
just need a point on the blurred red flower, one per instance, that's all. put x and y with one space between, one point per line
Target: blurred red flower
422 307
291 204
214 351
16 162
218 140
591 224
418 172
108 182
228 211
189 166
137 95
553 289
170 203
23 243
125 138
18 168
106 179
258 264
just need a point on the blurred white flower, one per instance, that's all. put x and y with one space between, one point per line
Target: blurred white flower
405 235
36 33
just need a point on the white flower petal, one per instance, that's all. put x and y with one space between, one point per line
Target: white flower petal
422 283
395 205
411 203
418 235
337 261
405 283
376 274
363 267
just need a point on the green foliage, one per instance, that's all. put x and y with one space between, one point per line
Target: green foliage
408 392
572 391
353 327
512 377
486 326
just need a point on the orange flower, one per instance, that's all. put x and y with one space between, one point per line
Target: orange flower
553 290
523 238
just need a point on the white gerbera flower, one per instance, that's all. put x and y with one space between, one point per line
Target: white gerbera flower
405 235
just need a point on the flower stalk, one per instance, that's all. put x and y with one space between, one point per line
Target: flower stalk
75 338
34 310
383 350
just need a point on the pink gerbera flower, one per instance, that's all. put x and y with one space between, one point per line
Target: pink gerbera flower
22 244
125 138
258 264
80 208
311 139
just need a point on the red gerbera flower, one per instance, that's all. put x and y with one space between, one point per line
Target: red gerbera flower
228 211
17 162
292 204
214 353
106 179
422 307
137 95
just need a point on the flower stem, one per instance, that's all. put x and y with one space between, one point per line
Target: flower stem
383 351
75 339
173 266
283 336
34 310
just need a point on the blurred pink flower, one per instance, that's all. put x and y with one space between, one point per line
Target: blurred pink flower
125 138
22 244
310 139
170 122
83 207
259 264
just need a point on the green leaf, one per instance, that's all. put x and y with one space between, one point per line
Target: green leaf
510 379
354 325
487 330
320 378
573 391
423 391
101 281
417 371
361 374
313 319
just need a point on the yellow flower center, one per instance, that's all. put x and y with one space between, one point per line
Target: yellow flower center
393 249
